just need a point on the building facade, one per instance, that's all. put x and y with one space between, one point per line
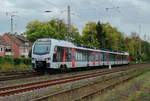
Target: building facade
19 44
5 49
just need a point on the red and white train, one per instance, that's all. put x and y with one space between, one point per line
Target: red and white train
58 54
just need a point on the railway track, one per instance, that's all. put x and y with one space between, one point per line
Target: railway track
4 76
14 72
11 90
87 92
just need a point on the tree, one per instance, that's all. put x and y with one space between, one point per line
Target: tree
55 28
100 35
89 35
114 40
132 46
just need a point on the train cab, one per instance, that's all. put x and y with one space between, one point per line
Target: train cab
41 54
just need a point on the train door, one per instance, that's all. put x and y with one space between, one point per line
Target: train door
107 58
93 58
88 58
99 58
73 57
102 58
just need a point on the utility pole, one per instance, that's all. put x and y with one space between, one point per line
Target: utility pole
11 23
12 15
69 23
140 43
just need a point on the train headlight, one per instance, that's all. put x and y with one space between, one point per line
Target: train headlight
33 60
47 59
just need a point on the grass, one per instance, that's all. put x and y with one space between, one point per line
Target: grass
137 89
143 94
143 62
6 66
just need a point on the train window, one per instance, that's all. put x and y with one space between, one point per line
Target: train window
96 57
42 48
80 55
121 57
116 57
124 58
104 57
84 56
58 56
68 54
88 56
76 55
54 57
111 57
91 57
101 57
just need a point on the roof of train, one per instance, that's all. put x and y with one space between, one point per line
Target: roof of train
69 44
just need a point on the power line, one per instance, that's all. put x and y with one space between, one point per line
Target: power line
47 1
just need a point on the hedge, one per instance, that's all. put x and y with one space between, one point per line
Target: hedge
15 61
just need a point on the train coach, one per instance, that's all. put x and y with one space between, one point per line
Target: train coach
58 54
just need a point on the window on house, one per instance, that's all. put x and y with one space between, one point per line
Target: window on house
24 50
26 43
1 49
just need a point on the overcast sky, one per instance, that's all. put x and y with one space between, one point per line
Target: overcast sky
127 15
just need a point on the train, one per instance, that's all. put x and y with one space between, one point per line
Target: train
48 53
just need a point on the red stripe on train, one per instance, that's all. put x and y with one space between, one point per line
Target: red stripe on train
64 55
99 59
73 57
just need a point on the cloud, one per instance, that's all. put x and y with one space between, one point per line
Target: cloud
126 15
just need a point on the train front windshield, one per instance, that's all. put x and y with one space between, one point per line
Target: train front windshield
41 48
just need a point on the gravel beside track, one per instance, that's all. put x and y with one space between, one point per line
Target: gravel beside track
5 76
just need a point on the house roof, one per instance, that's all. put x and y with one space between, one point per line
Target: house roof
2 42
19 39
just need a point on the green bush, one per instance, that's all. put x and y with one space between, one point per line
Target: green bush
14 64
15 61
26 61
5 59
